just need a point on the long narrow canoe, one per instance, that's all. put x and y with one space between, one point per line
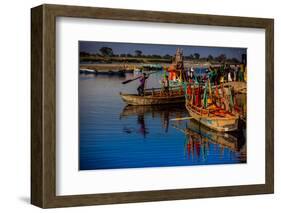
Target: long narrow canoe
213 118
133 99
155 97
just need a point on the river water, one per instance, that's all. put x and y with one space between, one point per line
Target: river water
113 135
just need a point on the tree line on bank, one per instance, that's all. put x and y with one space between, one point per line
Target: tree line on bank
106 54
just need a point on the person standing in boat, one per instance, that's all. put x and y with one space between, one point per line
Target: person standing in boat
142 84
192 73
229 78
165 84
212 75
236 72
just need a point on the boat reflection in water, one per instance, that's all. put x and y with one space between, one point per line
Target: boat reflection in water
164 112
201 144
199 138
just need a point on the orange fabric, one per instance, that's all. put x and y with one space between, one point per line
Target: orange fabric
172 76
171 68
217 91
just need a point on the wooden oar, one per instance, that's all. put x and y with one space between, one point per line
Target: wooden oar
130 80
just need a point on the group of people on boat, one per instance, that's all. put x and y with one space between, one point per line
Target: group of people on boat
205 96
176 74
164 82
226 73
216 75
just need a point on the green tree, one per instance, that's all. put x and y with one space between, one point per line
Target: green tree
210 57
196 55
189 57
82 53
106 51
156 56
138 53
235 60
167 56
221 58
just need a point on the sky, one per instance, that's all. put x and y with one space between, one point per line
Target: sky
160 49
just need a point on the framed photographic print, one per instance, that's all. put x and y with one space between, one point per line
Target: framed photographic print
137 106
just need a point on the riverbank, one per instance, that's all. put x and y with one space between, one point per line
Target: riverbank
128 67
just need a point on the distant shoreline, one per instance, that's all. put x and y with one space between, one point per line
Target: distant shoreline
135 66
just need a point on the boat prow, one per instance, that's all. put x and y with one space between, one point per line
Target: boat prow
226 123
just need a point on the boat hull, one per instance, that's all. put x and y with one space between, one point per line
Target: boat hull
220 124
132 99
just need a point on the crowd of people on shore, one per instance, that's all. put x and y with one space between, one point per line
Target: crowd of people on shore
219 74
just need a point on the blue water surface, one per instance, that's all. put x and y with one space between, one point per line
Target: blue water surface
113 135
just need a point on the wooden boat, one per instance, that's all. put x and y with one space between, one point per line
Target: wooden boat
158 96
87 71
133 99
103 72
214 118
213 107
155 97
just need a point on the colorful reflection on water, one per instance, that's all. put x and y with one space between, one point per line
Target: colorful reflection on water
113 135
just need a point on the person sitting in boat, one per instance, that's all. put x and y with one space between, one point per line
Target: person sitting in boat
212 75
142 84
165 84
